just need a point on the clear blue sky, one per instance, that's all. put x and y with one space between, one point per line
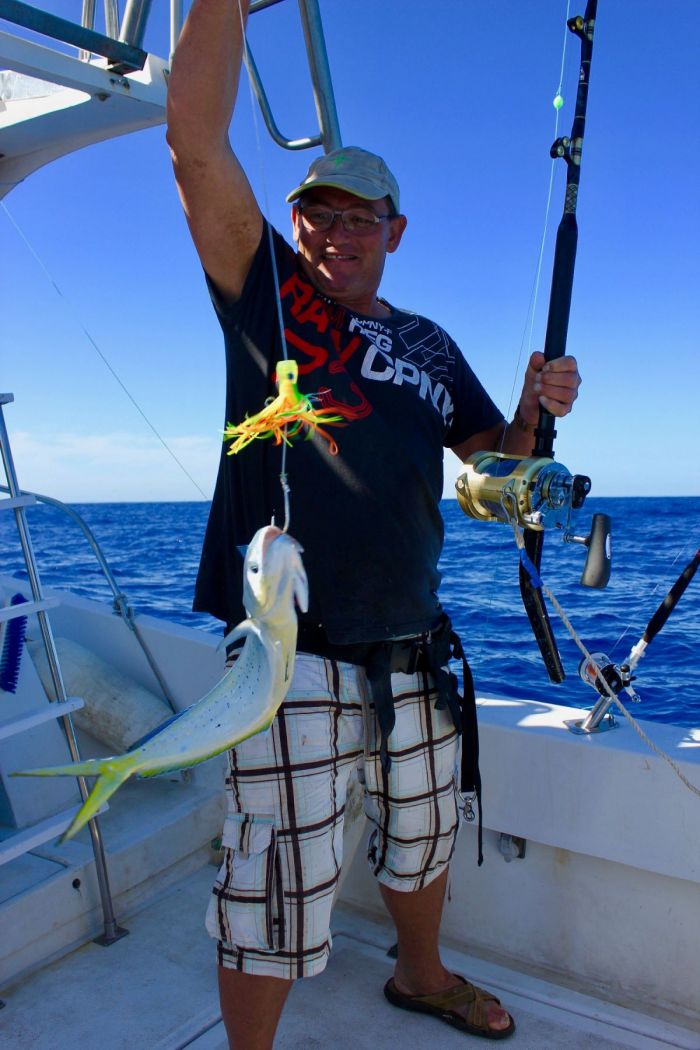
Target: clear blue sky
457 95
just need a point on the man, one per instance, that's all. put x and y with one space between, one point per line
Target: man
369 521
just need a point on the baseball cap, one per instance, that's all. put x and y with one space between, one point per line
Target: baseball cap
353 169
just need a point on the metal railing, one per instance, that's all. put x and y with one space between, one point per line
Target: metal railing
123 54
322 85
111 930
121 603
122 45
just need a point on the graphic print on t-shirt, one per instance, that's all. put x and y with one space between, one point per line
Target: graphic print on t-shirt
425 358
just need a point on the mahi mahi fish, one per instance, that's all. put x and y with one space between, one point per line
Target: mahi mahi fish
244 701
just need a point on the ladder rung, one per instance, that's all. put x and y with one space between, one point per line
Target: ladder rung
56 709
17 843
13 612
18 501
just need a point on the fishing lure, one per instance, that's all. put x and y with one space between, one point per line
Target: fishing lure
285 416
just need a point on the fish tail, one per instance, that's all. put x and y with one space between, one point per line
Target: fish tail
105 787
111 774
90 767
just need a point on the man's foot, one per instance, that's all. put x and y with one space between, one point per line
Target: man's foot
462 1005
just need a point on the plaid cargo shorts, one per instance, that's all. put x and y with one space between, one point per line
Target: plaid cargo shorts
283 837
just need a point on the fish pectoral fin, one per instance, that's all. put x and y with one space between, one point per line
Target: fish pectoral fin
244 629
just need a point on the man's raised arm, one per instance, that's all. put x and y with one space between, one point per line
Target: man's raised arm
221 210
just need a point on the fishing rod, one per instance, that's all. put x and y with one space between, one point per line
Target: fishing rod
607 677
534 492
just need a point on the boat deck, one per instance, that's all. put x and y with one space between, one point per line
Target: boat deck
156 990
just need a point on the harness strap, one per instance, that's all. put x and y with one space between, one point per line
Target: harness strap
378 669
470 773
430 652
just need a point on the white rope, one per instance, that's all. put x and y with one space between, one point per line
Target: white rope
520 542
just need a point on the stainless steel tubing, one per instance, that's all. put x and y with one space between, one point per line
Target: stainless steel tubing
320 74
134 22
121 604
111 930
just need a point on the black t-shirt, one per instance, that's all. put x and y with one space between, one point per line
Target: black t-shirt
368 518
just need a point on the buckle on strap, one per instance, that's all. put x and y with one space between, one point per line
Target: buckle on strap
468 800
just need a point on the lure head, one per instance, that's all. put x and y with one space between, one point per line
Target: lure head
287 372
274 576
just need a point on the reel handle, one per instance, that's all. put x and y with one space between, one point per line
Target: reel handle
596 571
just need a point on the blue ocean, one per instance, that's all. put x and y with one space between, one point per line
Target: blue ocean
153 550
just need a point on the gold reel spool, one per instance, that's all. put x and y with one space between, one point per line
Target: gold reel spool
535 492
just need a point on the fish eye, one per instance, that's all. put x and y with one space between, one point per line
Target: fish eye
254 567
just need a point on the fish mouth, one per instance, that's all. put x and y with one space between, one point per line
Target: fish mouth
274 575
269 536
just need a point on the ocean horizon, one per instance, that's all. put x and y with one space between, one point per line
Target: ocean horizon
153 550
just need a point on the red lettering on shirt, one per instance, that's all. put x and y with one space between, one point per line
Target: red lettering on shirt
359 410
300 292
315 314
306 307
344 352
317 355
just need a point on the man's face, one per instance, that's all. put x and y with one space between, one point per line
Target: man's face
346 267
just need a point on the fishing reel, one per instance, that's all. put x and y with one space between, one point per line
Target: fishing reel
536 493
617 677
606 678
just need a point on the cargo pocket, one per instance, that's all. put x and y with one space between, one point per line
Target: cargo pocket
246 908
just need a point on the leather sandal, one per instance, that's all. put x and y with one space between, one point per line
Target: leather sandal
444 1005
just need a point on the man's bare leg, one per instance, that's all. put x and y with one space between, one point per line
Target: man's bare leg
419 969
251 1007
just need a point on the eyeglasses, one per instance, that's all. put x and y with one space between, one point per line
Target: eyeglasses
354 220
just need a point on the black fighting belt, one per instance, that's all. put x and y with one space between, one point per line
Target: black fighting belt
430 652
